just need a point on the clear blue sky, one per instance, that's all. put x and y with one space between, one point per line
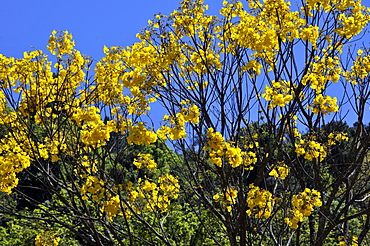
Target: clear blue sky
28 23
93 23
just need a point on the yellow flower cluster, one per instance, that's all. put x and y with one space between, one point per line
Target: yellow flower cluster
311 150
280 94
252 32
259 202
90 114
253 67
46 94
145 161
310 33
354 13
190 19
139 135
169 185
112 207
191 114
94 131
280 170
353 19
6 68
322 71
360 70
249 158
149 196
175 128
204 60
227 198
337 137
263 27
126 76
326 5
86 166
52 148
60 43
109 203
13 159
220 151
353 241
47 238
93 187
324 104
303 205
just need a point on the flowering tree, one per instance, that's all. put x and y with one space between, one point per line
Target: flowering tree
237 90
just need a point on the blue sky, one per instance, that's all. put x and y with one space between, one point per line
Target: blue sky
27 24
93 23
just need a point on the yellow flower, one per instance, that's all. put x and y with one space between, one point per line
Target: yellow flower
324 104
259 202
112 207
140 135
220 151
47 238
311 150
303 205
94 187
280 94
144 161
231 195
280 171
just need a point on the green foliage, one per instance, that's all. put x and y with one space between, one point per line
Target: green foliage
17 232
23 231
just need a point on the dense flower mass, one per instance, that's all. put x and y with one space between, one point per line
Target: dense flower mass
303 206
311 150
259 202
155 197
279 94
145 161
280 171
